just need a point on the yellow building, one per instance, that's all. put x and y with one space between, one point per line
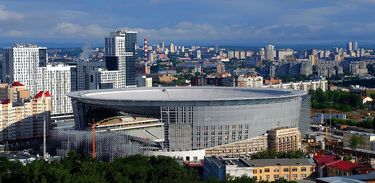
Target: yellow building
284 139
22 116
289 169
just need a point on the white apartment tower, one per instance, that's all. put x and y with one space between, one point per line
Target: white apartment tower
119 55
21 62
57 79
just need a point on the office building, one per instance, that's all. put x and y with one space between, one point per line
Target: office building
120 55
21 116
284 139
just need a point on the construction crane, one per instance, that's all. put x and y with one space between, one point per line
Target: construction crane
93 142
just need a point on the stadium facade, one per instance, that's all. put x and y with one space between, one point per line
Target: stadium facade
196 118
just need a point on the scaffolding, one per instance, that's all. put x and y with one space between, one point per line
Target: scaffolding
109 145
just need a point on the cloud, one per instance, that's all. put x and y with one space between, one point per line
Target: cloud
6 15
79 31
15 33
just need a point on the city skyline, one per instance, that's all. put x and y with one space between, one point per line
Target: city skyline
190 22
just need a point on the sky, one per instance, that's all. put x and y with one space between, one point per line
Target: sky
210 22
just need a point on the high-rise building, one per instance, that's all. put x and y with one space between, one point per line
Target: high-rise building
22 117
120 55
21 62
57 79
350 46
270 52
172 48
355 45
28 64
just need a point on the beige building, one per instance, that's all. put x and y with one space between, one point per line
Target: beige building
249 81
284 139
288 169
22 116
243 148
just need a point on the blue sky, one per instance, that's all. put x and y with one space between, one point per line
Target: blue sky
229 22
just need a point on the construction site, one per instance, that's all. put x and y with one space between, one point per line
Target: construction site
110 138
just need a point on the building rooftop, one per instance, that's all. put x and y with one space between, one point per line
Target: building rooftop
282 162
186 94
221 162
326 159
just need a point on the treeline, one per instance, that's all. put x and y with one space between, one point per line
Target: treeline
340 100
272 154
367 123
77 169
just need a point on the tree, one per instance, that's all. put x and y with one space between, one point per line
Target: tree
355 141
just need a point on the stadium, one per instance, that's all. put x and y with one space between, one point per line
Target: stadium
195 118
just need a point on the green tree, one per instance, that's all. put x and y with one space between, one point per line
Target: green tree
355 141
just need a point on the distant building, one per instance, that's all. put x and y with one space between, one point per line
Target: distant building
284 139
368 140
269 52
21 116
249 81
120 55
305 86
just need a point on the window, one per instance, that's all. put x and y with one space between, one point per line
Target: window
276 176
276 170
294 169
266 170
303 169
267 177
254 171
286 169
303 176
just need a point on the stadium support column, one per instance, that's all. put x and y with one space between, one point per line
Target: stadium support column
80 110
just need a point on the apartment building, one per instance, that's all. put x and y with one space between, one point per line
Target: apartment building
22 117
249 81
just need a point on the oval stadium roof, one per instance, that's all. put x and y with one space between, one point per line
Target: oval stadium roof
185 94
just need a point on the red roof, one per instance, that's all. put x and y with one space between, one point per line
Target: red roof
5 101
16 83
326 159
39 95
344 165
47 94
